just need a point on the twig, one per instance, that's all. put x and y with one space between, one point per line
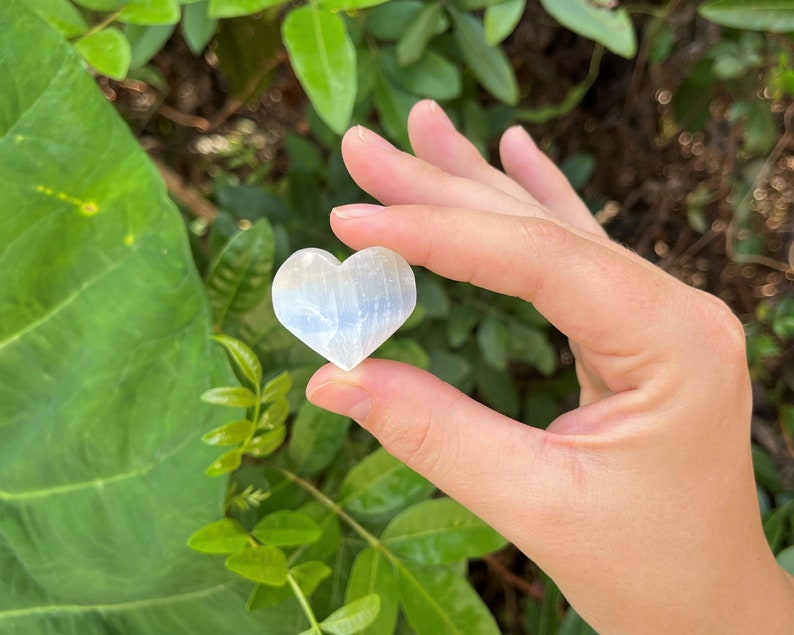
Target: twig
187 195
516 581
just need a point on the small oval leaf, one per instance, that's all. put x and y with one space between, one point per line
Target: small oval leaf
232 396
243 357
226 463
287 528
107 51
222 536
229 433
352 617
324 60
265 564
267 443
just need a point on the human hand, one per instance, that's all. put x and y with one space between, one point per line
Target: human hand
640 503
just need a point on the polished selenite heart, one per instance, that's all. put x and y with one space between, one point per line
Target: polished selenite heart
344 311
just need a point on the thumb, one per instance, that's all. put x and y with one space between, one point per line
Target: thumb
504 471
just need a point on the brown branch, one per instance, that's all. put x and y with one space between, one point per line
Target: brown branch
514 580
186 194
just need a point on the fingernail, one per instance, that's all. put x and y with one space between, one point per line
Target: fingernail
345 399
370 138
356 210
442 117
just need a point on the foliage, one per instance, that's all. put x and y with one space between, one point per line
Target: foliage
103 349
384 59
319 528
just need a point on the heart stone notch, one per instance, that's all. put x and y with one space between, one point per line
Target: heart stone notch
344 311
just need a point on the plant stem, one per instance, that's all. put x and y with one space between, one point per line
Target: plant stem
304 602
331 505
109 19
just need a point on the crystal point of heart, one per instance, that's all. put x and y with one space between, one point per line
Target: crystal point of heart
344 311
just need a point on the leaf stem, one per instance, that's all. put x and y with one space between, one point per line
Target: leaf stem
107 21
331 505
304 602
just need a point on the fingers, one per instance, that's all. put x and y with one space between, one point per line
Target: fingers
397 178
435 140
486 461
591 290
535 172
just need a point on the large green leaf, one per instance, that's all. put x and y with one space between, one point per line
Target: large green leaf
380 484
437 600
104 349
440 530
324 60
371 573
758 15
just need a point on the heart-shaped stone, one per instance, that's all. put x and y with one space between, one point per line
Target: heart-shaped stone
344 311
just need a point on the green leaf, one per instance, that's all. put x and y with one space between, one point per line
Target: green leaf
432 76
440 530
324 61
229 433
232 396
786 559
381 484
107 51
287 528
101 5
266 443
348 5
197 26
308 576
501 19
573 624
150 12
494 342
578 168
237 8
264 564
598 22
488 64
222 536
393 106
419 32
317 435
146 41
352 617
391 21
277 387
243 358
371 573
776 16
275 415
226 463
462 318
436 600
61 14
240 275
103 351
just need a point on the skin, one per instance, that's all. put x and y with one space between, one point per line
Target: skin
641 503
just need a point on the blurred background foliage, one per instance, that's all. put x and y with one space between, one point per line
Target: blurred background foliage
673 119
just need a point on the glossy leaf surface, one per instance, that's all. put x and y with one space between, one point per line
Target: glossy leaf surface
611 27
324 60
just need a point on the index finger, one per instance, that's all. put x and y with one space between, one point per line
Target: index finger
603 297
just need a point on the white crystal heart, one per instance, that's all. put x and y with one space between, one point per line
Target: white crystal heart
344 311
